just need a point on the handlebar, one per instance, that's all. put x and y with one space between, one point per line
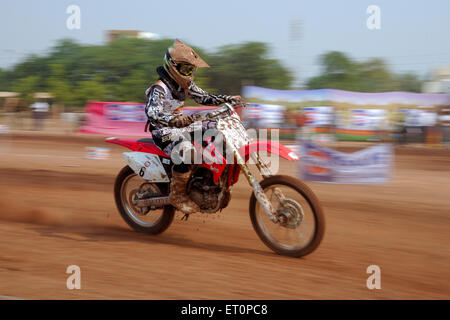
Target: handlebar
226 108
219 111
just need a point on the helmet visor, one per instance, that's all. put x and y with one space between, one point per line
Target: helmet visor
186 69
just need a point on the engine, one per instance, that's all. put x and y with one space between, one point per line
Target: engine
209 196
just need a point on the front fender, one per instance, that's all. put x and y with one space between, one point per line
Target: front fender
269 146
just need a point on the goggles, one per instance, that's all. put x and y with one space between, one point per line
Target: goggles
186 69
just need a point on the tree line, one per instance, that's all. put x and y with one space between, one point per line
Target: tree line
123 69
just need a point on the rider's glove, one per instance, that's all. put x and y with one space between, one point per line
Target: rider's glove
181 121
198 117
238 100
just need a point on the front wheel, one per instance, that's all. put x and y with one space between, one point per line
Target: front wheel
129 187
301 222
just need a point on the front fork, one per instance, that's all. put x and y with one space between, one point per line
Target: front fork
257 189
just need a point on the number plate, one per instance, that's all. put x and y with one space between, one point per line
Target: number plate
148 166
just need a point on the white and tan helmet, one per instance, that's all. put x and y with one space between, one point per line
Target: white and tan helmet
181 61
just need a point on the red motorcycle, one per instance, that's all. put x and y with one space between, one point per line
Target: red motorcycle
284 212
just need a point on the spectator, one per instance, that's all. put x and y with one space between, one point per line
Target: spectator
40 110
300 120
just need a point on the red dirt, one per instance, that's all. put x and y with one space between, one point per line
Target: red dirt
57 209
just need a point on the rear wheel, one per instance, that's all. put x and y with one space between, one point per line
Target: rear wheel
301 222
128 187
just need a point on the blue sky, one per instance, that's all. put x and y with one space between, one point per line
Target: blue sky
414 35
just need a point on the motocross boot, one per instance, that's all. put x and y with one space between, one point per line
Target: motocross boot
178 197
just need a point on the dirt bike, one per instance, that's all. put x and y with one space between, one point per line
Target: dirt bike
284 212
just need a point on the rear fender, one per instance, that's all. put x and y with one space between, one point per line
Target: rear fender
147 166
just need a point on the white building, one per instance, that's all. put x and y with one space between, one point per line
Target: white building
440 81
112 35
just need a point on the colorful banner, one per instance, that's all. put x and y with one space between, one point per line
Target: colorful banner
322 116
368 119
264 115
341 96
368 166
121 118
419 118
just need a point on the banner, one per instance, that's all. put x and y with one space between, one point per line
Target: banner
368 119
419 118
322 116
264 115
350 97
121 118
368 166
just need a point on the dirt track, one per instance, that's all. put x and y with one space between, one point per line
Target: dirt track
57 209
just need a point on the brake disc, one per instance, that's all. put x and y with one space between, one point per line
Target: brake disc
290 215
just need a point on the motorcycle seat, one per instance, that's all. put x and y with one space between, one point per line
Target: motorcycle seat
150 146
146 140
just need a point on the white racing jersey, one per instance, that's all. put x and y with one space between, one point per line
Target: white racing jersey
164 104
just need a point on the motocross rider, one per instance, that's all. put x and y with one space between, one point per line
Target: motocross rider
165 99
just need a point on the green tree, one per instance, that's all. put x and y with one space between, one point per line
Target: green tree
341 72
26 88
33 66
338 72
408 82
336 62
89 90
247 63
122 70
59 87
2 79
132 87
